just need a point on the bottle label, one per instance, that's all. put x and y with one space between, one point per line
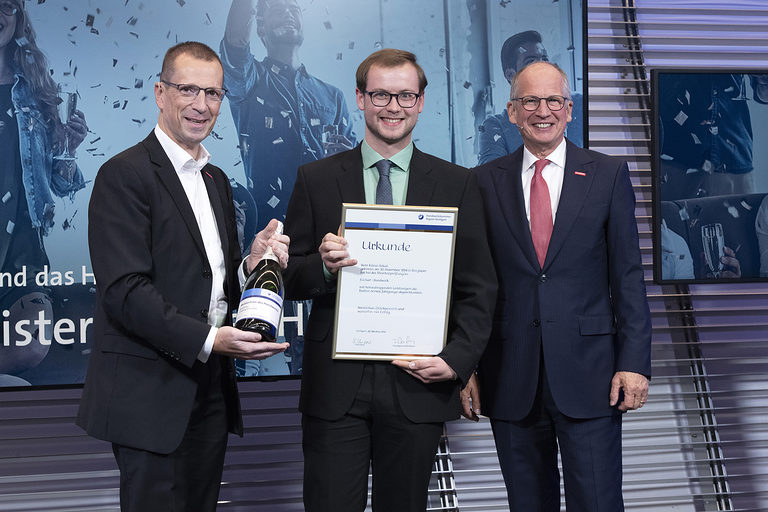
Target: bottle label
260 304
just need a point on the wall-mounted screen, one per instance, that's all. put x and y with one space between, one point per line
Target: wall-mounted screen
710 175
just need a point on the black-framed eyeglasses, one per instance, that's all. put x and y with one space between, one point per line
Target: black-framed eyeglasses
531 103
8 8
190 91
404 99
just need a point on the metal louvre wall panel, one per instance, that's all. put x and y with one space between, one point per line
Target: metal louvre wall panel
730 321
700 444
48 463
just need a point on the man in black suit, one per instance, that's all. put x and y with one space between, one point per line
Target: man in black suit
571 341
358 413
163 240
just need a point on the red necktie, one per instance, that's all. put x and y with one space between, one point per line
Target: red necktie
541 212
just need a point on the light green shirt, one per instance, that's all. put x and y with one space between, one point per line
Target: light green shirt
398 173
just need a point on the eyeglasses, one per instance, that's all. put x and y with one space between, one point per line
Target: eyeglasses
8 9
531 103
190 91
383 98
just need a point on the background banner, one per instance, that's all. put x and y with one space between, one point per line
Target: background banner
103 58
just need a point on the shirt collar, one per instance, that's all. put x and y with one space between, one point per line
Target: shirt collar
180 159
282 68
557 156
402 159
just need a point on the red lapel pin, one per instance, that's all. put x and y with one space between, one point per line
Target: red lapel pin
579 173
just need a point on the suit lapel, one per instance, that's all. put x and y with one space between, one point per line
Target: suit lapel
218 208
421 183
349 178
509 192
171 181
579 173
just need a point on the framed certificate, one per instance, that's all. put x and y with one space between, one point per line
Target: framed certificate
394 303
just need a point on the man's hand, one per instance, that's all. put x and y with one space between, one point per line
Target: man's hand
761 86
334 253
731 266
268 238
635 388
244 344
432 369
470 399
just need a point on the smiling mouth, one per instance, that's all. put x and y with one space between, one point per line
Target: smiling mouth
390 121
542 125
288 26
198 122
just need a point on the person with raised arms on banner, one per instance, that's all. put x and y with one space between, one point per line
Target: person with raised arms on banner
570 349
166 258
376 414
285 117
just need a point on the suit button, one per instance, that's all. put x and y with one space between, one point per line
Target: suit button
204 313
536 323
543 278
207 274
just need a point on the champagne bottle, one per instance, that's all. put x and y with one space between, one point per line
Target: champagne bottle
261 303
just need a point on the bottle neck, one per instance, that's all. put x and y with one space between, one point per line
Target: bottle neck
270 255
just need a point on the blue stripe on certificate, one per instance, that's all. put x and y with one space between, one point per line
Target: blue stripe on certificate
407 227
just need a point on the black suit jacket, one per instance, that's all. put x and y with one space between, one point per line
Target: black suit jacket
329 386
585 310
153 286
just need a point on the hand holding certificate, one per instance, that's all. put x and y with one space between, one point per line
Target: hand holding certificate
393 304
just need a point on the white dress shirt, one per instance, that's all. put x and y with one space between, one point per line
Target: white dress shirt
189 171
553 175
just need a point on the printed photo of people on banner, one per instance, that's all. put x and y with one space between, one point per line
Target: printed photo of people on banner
711 185
76 88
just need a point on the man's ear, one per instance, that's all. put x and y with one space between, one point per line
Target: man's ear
511 112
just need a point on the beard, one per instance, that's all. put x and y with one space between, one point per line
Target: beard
286 35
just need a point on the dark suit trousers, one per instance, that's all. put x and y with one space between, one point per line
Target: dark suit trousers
373 433
590 450
188 478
